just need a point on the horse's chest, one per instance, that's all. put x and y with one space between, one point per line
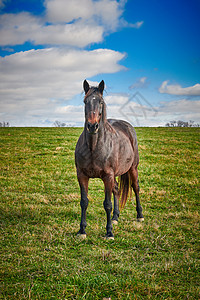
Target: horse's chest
92 164
95 168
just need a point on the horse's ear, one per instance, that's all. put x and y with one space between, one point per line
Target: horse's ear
101 87
86 86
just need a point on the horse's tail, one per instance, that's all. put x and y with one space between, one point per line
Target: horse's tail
124 188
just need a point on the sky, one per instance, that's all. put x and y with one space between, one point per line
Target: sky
146 51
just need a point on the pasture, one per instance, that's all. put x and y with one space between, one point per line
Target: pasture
41 258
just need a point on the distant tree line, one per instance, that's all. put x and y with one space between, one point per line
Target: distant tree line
4 124
59 124
182 124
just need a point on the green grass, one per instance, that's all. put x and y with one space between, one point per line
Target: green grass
41 257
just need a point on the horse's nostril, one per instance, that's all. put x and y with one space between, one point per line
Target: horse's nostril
88 126
92 128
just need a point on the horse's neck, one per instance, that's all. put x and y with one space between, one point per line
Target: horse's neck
92 140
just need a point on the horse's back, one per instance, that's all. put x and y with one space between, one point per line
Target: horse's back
128 130
125 127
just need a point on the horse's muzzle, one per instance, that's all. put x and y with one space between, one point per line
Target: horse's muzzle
92 128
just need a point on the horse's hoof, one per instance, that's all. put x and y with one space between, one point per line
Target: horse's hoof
110 238
115 222
140 219
81 236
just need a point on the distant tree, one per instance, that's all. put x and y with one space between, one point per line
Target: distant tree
191 123
59 124
173 123
181 123
4 124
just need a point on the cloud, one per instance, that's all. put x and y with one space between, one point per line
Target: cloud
71 114
65 11
181 107
16 29
175 110
109 13
77 34
116 99
137 25
36 85
65 22
176 89
126 24
103 12
141 114
53 67
140 83
38 82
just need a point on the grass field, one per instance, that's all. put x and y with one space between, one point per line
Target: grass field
41 258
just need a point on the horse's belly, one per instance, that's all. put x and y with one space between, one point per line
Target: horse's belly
124 167
125 159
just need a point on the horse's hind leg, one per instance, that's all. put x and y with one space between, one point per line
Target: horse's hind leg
135 185
116 203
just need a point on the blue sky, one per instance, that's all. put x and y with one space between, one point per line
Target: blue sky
147 52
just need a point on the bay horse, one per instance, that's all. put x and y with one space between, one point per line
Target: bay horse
106 149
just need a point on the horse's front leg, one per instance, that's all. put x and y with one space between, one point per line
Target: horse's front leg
83 182
108 183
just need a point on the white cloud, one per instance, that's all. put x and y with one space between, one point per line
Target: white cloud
19 28
109 12
176 89
140 83
36 85
181 107
137 25
39 82
71 114
77 34
184 110
66 11
15 29
116 99
104 12
142 114
132 108
66 22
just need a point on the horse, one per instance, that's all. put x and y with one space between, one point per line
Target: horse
106 149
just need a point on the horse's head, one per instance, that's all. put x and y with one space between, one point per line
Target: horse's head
94 107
